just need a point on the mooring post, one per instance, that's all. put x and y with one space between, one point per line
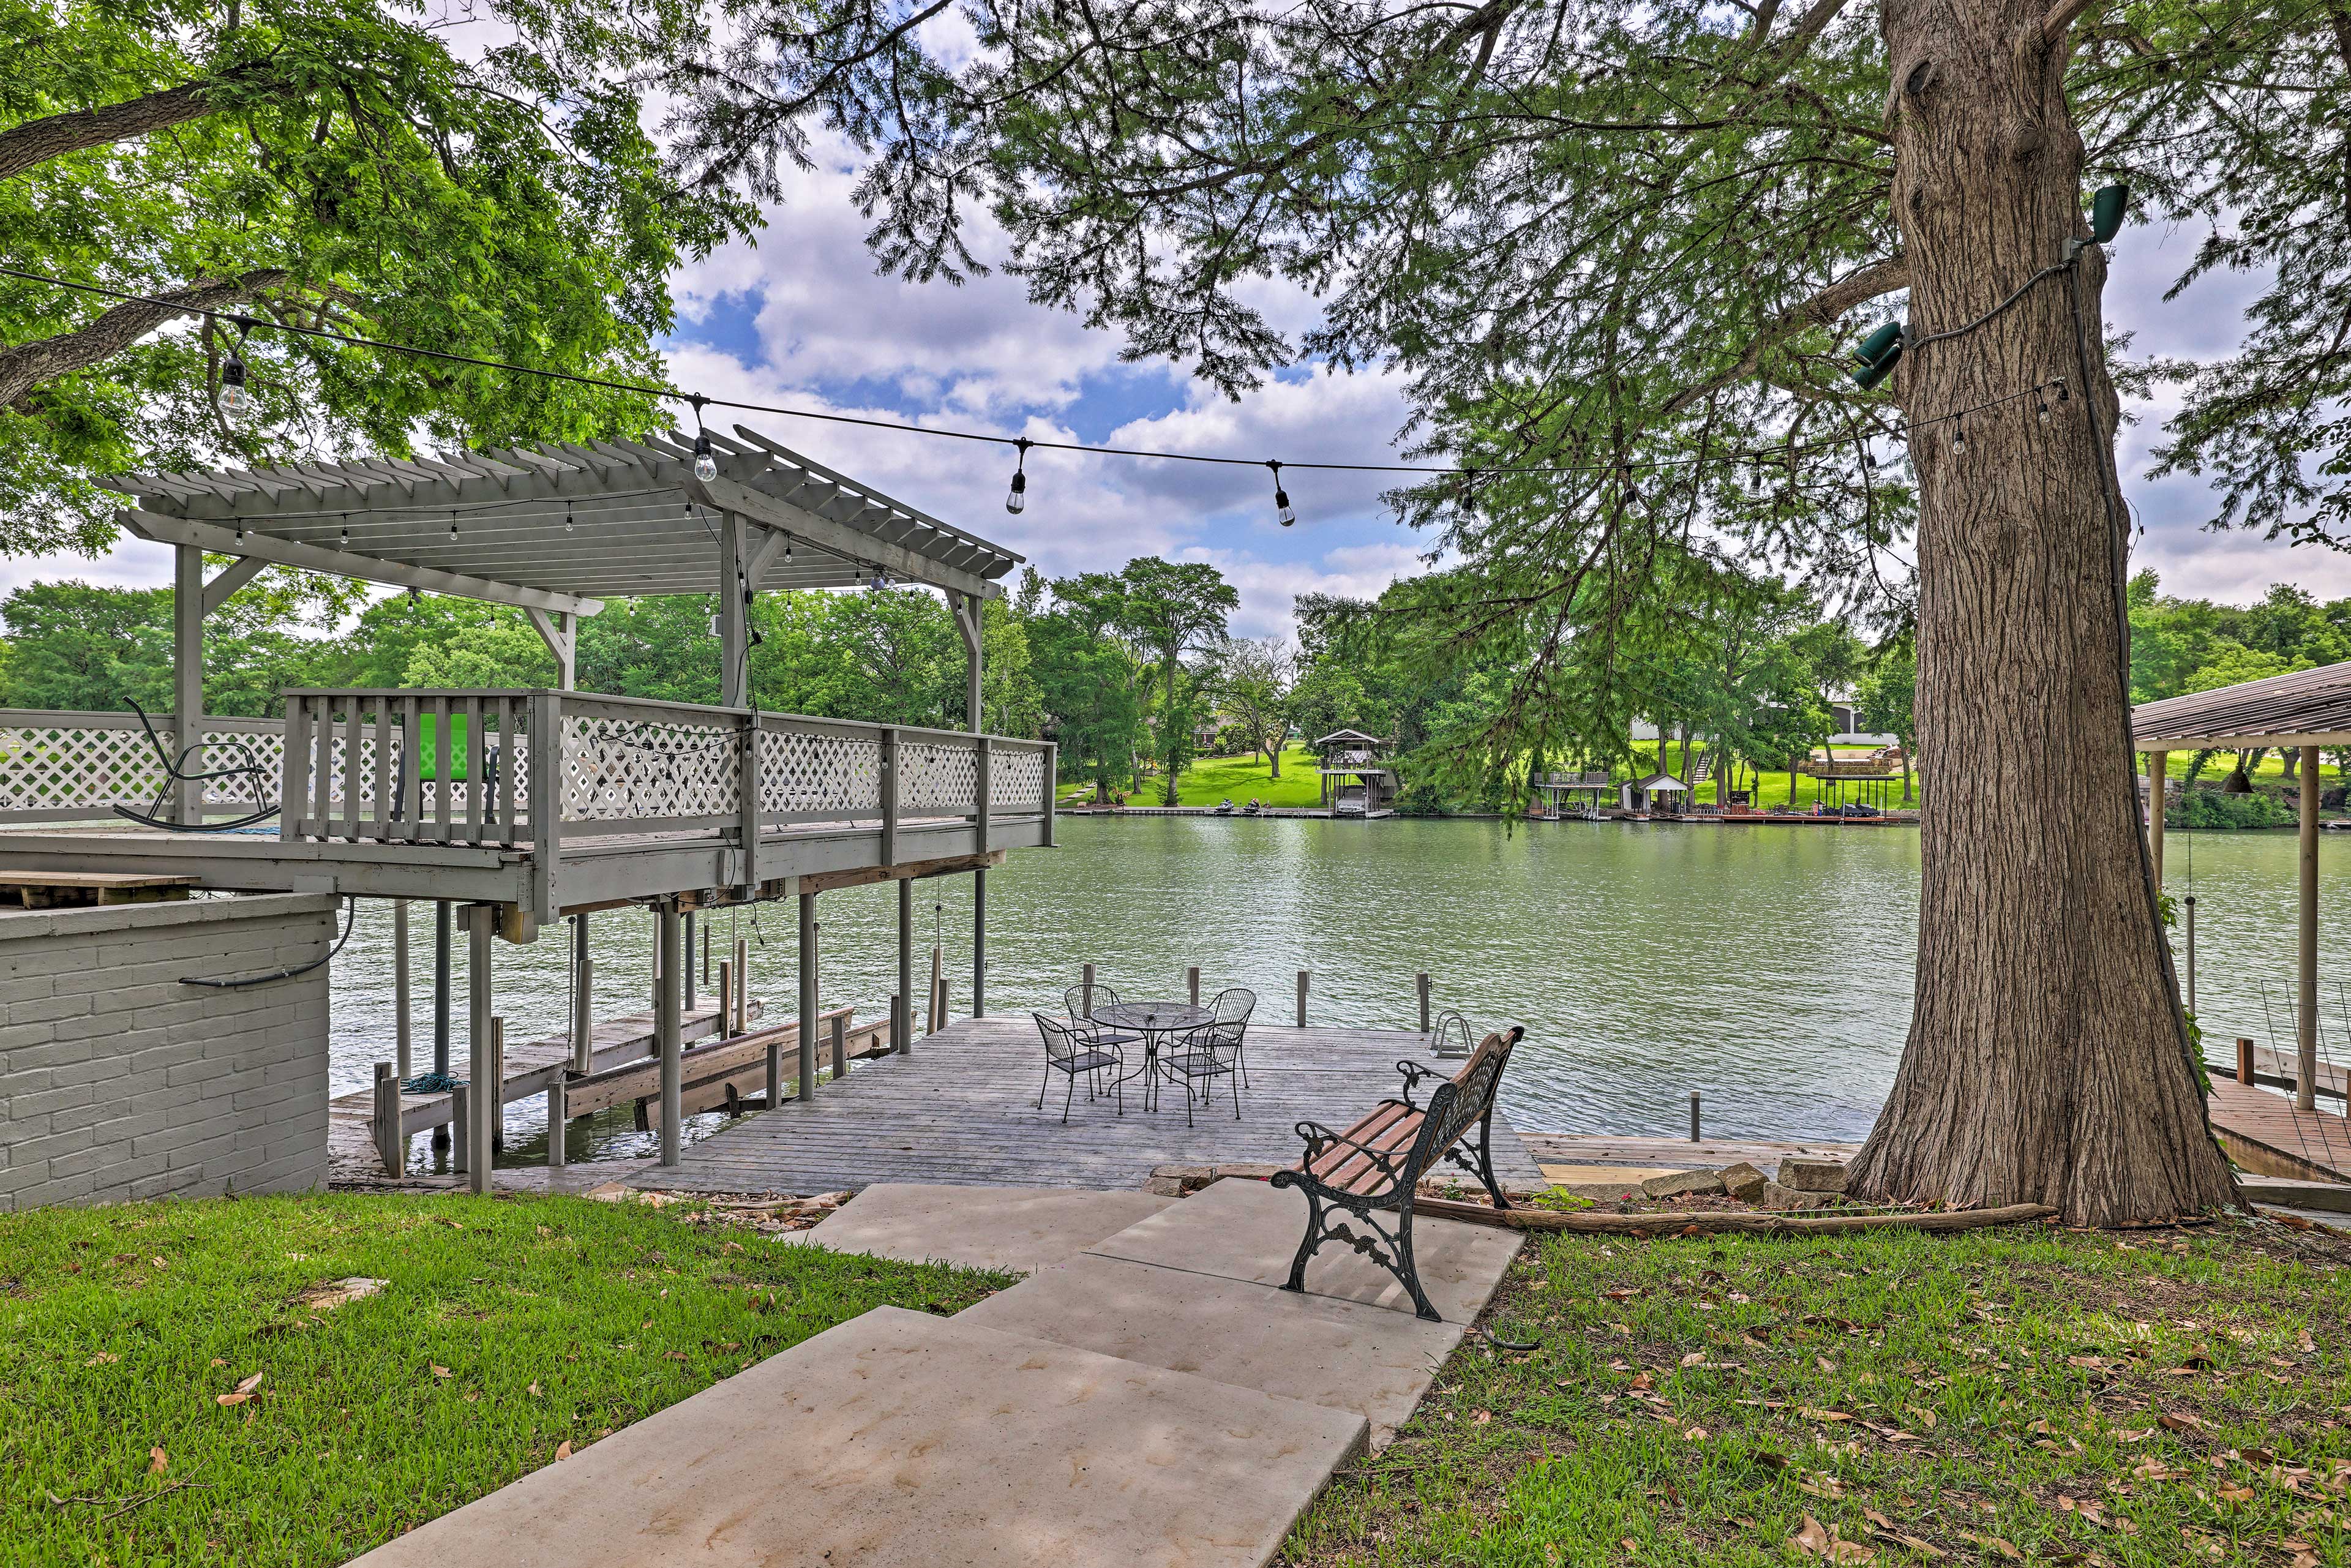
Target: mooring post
461 1116
2245 1060
1693 1138
441 944
481 1059
498 1096
690 998
1420 983
979 938
391 1141
897 1020
1191 984
2190 901
808 997
726 990
743 984
1089 984
903 1020
840 1046
938 991
1301 998
400 1019
670 956
705 953
583 1000
556 1123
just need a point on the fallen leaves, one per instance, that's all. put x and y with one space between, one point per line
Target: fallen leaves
1817 1540
158 1461
1810 1413
563 1449
2179 1421
243 1392
334 1293
1994 1544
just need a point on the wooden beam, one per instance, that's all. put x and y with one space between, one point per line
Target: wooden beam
1710 1223
2240 742
864 876
725 495
234 576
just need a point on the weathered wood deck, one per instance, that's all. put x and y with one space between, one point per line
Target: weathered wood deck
2262 1132
962 1109
1563 1151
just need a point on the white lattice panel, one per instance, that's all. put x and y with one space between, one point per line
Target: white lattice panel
938 775
258 758
813 772
1016 781
631 769
63 767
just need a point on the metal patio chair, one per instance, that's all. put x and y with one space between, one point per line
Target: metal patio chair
1074 1054
1233 1005
1202 1055
1081 1016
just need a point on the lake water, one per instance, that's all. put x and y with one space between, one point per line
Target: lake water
1769 968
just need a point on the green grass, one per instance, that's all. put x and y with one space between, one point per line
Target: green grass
1214 779
508 1327
2028 1395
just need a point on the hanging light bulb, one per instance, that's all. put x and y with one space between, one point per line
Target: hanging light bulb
1959 439
705 462
568 521
788 546
452 525
1468 492
234 399
1017 497
240 530
2044 411
1283 512
343 536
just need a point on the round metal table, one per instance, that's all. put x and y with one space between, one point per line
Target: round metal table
1154 1022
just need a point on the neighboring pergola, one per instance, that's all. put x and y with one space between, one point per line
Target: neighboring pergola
556 530
2305 710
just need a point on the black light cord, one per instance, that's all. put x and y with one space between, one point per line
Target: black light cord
350 908
1021 442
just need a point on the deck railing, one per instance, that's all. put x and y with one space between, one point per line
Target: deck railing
547 769
64 767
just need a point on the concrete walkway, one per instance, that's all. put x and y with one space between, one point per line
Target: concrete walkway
1146 1397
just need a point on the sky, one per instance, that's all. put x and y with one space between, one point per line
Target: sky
802 318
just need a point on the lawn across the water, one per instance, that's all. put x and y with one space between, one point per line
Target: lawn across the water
2021 1395
507 1329
1217 779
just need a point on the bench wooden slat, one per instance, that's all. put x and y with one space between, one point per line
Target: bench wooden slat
1365 1130
1358 1173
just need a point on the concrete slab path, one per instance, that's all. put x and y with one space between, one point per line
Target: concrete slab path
1023 1229
897 1438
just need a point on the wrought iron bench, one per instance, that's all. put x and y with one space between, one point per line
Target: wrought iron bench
1377 1164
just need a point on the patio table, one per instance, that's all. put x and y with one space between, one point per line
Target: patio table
1153 1021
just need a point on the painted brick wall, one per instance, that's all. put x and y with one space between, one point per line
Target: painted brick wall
117 1082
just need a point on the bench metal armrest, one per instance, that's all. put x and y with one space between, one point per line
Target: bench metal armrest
1413 1072
1320 1141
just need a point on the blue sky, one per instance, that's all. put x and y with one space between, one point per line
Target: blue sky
802 318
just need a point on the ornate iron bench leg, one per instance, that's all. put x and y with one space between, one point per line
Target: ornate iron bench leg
1310 1240
1408 1272
1486 1158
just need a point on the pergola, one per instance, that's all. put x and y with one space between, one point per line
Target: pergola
556 530
2305 710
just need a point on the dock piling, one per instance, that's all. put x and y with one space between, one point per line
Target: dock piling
743 983
441 944
1420 983
904 1044
1088 982
840 1048
2191 903
1301 998
1694 1133
482 1066
556 1124
808 997
399 1014
670 956
726 996
2245 1060
690 998
1191 983
461 1116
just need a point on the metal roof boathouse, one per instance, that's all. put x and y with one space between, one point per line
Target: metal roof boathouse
529 805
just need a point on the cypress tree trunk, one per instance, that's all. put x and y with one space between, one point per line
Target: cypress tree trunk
2048 1058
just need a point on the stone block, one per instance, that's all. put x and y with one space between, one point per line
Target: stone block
1775 1196
1812 1175
1677 1184
1744 1182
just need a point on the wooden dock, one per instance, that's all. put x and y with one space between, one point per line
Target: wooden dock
2264 1132
962 1109
1579 1159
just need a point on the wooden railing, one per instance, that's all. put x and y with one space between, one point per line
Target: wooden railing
546 769
60 767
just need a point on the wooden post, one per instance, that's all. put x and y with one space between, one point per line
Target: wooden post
1191 984
840 1046
2159 770
808 997
670 956
391 1144
400 1030
705 955
938 991
725 994
979 942
583 1000
2245 1060
1301 998
481 1051
898 1010
1420 983
440 946
904 1021
498 1077
691 999
2188 903
556 1120
188 683
1088 985
1694 1117
461 1116
743 984
2305 1018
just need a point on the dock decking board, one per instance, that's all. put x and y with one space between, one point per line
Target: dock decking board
2264 1132
962 1110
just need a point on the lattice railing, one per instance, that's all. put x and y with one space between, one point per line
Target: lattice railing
57 767
644 767
814 770
1015 784
938 777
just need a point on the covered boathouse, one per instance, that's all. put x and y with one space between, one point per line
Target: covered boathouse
513 808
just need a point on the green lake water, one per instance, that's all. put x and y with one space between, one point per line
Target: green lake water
1767 967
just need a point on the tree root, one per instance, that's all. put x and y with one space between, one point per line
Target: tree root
1707 1224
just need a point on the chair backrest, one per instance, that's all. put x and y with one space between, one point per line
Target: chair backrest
1073 1000
1233 1004
1462 1099
1063 1043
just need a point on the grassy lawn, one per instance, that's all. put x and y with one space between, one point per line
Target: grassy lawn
2027 1396
1214 779
507 1328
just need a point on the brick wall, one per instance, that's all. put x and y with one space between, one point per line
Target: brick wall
117 1082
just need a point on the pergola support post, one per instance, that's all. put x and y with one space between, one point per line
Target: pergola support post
188 675
669 962
485 1099
2306 1013
2159 770
734 576
905 1018
808 997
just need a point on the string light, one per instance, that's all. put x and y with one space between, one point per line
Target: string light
234 399
1282 510
343 537
1468 492
568 522
705 462
1017 497
452 525
1959 439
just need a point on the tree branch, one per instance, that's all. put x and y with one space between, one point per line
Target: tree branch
2060 16
1879 278
37 140
27 365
